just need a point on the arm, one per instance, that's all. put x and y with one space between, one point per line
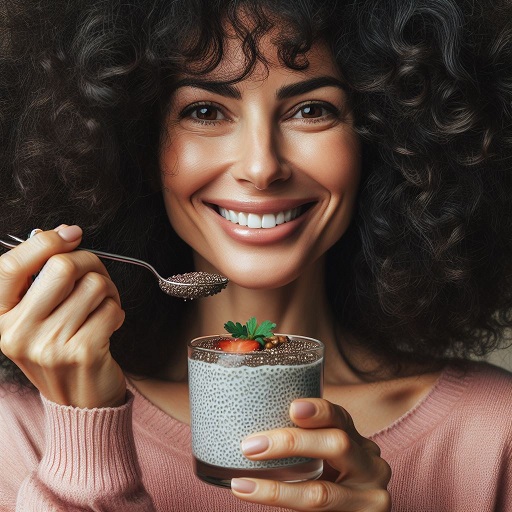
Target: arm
57 330
89 463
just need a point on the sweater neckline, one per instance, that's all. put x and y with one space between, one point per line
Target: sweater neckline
423 417
436 405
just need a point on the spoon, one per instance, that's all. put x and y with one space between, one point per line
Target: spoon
192 285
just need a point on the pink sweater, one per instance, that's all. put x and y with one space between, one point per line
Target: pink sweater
452 452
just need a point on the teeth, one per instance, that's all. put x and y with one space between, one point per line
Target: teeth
268 221
253 221
242 219
256 221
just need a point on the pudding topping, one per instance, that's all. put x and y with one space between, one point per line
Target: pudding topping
250 337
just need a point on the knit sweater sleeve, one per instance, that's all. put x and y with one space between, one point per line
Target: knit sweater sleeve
88 462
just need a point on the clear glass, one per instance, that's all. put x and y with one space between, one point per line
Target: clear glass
234 395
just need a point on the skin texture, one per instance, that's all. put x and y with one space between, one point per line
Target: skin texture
58 330
272 155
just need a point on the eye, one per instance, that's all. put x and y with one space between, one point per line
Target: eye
204 112
314 111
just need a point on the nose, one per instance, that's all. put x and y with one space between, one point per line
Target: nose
260 161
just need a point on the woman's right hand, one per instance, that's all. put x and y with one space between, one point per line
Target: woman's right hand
58 329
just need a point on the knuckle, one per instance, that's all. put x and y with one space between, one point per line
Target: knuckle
343 419
112 307
83 355
341 443
121 315
383 470
89 257
10 345
380 499
290 440
10 266
45 355
372 447
60 264
274 493
319 496
95 283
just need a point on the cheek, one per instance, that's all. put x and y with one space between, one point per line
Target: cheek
333 161
187 164
341 172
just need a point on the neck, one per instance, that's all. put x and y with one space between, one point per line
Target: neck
300 307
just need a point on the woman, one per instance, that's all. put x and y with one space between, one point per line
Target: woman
362 125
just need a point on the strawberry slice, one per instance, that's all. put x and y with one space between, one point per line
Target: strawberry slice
238 346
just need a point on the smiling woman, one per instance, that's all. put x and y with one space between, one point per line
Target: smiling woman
345 164
286 178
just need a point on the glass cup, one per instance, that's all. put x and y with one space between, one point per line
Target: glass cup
233 395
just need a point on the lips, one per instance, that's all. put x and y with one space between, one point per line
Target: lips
260 220
261 223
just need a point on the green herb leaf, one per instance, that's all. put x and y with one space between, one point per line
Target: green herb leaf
265 329
251 330
236 330
251 324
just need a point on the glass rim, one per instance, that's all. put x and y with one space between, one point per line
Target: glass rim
191 345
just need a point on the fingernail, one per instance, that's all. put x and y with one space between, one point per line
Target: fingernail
243 486
58 228
254 445
303 410
70 233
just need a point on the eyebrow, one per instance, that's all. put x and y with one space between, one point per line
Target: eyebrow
222 88
287 91
298 88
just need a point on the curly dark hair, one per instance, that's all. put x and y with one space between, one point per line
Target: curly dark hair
424 271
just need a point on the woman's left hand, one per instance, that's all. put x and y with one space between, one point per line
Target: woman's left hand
326 431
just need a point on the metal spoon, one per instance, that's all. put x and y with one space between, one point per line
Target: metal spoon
192 285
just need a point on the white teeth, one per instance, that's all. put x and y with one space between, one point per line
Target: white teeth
256 221
268 220
242 219
253 221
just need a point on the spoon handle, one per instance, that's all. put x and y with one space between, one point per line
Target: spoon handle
101 254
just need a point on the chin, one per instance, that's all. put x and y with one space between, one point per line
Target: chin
261 277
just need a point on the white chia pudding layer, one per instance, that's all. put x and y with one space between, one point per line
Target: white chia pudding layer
228 403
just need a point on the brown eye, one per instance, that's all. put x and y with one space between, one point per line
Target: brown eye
312 111
206 113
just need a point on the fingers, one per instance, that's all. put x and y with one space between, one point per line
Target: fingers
19 264
76 274
318 413
353 462
58 331
311 496
63 322
326 432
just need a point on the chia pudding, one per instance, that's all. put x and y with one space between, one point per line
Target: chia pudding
233 395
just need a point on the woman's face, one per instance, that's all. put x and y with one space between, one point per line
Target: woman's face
260 177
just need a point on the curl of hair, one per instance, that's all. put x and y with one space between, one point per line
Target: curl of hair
432 95
427 260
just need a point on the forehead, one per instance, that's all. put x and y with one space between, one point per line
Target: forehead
235 64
